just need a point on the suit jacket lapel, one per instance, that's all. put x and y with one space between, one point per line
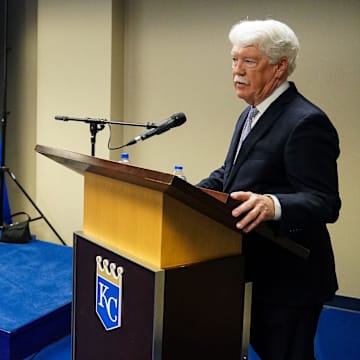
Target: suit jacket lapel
236 137
267 120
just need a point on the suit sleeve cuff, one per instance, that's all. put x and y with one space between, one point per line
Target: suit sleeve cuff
277 215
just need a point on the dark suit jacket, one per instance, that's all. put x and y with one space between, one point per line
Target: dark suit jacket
291 153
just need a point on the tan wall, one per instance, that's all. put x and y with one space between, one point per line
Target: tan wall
176 58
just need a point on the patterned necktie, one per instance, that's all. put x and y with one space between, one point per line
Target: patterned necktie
247 128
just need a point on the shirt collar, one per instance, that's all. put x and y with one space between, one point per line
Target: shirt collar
274 95
269 100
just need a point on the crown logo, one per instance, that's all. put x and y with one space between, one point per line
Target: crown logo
108 293
109 271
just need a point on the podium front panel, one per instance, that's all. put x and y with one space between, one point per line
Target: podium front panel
97 336
187 312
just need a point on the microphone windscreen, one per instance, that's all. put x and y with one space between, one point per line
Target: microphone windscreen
179 119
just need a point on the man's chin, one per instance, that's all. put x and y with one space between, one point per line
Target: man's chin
241 95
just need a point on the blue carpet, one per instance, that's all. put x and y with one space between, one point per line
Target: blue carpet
337 337
36 295
60 350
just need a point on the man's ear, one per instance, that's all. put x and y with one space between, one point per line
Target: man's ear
282 67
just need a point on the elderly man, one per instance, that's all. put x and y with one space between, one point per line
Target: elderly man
281 166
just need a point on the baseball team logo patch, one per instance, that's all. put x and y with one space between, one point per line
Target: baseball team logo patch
109 282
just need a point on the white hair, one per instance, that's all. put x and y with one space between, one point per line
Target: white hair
274 38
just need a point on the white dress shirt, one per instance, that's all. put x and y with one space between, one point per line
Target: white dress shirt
262 108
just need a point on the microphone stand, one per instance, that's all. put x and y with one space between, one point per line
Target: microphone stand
97 125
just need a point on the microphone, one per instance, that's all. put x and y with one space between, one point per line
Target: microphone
165 125
61 117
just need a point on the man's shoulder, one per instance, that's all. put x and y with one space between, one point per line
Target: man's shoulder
299 102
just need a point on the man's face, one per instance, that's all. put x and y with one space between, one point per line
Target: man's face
254 78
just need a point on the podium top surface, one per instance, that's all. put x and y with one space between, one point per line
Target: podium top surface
216 205
211 203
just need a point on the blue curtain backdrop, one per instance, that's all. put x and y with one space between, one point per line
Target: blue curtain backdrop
5 205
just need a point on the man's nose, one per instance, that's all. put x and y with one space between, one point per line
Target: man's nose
238 68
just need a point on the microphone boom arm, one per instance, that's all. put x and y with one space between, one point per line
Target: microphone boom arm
89 120
97 124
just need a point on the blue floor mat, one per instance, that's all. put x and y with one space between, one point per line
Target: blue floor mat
60 350
36 295
338 335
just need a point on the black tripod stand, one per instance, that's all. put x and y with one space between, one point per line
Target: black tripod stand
4 114
5 170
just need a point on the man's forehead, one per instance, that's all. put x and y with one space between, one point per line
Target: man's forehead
251 49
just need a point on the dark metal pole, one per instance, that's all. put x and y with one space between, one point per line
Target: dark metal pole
3 123
4 112
94 128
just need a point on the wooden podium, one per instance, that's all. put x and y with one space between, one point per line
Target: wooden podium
158 269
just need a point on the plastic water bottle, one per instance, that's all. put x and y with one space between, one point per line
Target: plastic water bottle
179 171
124 158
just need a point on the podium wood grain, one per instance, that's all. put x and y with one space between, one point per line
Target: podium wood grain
151 225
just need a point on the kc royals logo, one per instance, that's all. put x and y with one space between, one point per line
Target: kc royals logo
108 293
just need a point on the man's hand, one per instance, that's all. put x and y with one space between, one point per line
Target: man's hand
253 210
